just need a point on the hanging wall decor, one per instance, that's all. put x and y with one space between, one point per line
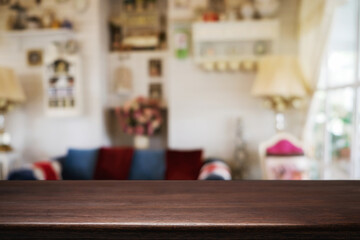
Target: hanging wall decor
35 57
155 92
182 42
222 46
63 77
155 68
123 81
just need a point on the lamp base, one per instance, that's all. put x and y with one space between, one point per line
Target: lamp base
5 142
5 138
5 148
280 121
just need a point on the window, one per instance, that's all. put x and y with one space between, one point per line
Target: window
335 112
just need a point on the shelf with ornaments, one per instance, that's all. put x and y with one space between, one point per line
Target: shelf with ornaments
263 29
22 36
234 45
61 32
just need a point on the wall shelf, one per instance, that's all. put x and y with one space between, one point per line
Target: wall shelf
229 44
22 36
240 30
37 33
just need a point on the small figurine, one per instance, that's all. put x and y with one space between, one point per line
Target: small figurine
48 18
55 24
67 24
248 10
20 21
34 23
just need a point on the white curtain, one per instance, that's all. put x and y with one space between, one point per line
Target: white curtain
314 26
315 22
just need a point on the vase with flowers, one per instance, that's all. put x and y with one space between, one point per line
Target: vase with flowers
141 118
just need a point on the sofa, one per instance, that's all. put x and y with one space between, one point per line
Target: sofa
125 163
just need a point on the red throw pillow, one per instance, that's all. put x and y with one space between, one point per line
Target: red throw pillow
183 165
47 170
114 163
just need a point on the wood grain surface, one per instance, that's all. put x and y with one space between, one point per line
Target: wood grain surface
180 210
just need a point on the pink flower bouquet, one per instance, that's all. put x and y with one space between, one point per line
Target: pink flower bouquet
140 116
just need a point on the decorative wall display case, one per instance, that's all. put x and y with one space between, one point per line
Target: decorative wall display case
233 45
63 86
138 25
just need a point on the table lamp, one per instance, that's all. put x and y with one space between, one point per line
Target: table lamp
11 94
281 84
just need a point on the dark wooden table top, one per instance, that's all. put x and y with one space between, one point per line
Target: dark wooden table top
180 210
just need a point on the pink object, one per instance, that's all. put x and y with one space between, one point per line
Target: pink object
140 116
140 130
284 148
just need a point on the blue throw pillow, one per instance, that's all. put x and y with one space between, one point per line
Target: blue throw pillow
148 165
80 164
22 174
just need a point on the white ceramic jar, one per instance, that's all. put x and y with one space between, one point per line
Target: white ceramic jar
267 8
247 10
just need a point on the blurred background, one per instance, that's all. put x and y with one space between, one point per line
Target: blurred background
269 87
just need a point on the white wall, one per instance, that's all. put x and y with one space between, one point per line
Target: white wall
36 136
204 108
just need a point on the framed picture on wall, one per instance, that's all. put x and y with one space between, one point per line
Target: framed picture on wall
34 57
155 91
155 68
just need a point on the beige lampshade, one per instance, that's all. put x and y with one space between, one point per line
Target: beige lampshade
280 76
10 88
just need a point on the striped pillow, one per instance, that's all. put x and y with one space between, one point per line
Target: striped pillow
47 170
215 170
